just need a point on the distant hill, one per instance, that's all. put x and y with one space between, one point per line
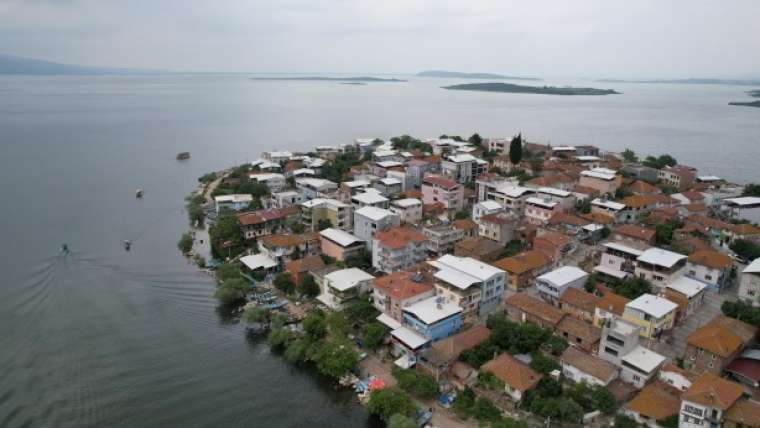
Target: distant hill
459 75
360 79
10 64
692 81
754 93
745 104
521 89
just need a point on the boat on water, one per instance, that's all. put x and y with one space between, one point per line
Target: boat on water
183 156
127 244
139 193
65 248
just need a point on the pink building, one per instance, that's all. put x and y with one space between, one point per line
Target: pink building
603 180
340 244
448 192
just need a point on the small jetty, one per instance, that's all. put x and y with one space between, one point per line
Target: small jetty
183 156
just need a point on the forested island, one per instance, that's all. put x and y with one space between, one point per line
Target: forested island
754 93
460 75
522 89
745 103
332 79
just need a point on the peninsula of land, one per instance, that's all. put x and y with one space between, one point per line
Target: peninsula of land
522 89
691 81
745 103
332 79
460 75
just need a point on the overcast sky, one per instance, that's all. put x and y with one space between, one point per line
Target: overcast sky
588 38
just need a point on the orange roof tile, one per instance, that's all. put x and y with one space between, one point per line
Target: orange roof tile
536 307
399 237
711 259
522 262
580 299
612 302
587 363
512 372
656 401
636 232
400 286
710 390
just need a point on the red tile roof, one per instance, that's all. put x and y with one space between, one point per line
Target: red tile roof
399 237
400 286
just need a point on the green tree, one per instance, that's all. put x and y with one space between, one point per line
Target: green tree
401 421
387 402
416 383
315 325
660 162
751 189
745 249
228 296
323 224
633 287
741 311
475 139
485 411
279 337
461 215
362 260
297 228
258 314
629 156
669 422
543 364
297 350
362 310
463 404
207 178
335 358
623 421
185 243
283 283
227 271
664 232
338 324
225 236
308 286
291 181
515 150
374 333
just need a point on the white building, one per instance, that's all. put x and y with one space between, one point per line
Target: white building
234 202
285 199
538 211
688 289
275 182
316 187
462 168
485 208
506 193
277 157
553 284
565 199
616 210
578 366
408 209
640 365
389 186
398 248
343 285
474 286
660 267
749 285
618 259
370 198
368 221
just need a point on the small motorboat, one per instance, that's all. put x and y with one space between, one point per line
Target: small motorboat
65 248
183 156
127 244
139 193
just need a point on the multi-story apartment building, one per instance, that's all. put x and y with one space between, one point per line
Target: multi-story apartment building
499 227
474 286
398 248
312 188
660 267
552 285
368 221
652 314
275 182
749 284
679 177
442 190
337 212
408 209
462 168
442 238
395 291
713 346
618 259
711 267
605 181
370 198
706 402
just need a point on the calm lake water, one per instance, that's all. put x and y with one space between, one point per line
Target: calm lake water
103 337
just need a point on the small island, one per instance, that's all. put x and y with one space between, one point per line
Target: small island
460 75
521 89
360 79
745 103
754 93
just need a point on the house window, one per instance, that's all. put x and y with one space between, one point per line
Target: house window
636 378
692 272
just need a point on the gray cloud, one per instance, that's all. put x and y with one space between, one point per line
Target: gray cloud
611 38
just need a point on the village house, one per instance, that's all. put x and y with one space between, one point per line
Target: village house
517 377
322 209
638 234
660 267
679 177
433 318
523 268
416 170
618 259
553 245
235 202
706 401
299 268
749 284
282 248
441 190
483 208
506 193
474 286
350 188
254 224
340 244
687 293
313 188
564 198
439 359
609 307
711 267
652 314
468 227
442 238
743 414
615 210
497 227
579 303
553 284
557 181
398 248
479 248
368 221
522 307
567 223
579 366
605 181
409 210
640 187
284 199
619 345
277 156
341 286
389 186
370 198
538 211
715 345
579 333
653 404
393 292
